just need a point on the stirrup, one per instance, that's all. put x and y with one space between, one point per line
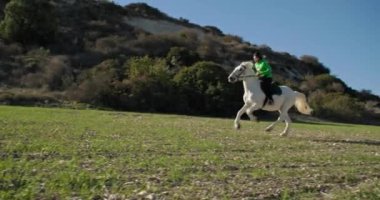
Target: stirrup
270 101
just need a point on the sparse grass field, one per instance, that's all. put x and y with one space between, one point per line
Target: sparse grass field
87 154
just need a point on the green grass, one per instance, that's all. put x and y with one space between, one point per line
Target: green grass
88 154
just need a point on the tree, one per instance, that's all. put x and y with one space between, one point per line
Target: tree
140 67
29 22
181 56
315 66
147 86
204 88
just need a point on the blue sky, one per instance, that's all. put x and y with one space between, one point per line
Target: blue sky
343 34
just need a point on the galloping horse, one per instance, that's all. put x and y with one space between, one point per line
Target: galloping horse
254 98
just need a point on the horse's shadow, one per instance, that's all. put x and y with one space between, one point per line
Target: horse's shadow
362 142
321 123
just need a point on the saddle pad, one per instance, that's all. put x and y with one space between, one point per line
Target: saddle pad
275 89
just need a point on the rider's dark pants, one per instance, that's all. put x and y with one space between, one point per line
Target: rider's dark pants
265 83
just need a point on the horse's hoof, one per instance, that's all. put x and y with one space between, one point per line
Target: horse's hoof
237 126
269 129
284 134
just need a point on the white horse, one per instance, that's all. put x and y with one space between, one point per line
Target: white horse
254 98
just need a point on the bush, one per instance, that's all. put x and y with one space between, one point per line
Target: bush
139 67
109 45
58 73
144 94
26 98
336 106
143 9
28 21
209 49
9 49
314 65
8 71
233 39
325 82
141 84
36 58
157 45
87 59
213 30
204 89
96 84
180 56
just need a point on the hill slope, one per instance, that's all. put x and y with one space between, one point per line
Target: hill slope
89 60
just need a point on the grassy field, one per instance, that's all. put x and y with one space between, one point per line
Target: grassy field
88 154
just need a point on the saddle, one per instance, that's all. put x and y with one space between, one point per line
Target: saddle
274 89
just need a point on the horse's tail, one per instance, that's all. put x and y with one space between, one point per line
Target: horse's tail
301 104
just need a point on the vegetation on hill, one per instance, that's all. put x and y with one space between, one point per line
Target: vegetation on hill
86 51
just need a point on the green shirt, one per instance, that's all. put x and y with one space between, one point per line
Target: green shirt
263 68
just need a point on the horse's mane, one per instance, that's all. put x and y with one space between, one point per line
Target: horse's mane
247 63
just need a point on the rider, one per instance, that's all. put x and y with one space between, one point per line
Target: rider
264 72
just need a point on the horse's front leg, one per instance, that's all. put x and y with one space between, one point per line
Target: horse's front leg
250 111
239 114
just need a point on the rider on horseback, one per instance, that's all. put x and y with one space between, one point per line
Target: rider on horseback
264 72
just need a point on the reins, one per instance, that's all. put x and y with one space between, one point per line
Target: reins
247 76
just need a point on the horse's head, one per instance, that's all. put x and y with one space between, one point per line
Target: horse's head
245 69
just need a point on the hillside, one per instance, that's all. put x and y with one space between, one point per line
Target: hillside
137 58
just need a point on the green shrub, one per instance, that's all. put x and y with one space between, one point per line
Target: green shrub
204 89
27 97
213 30
181 56
209 48
325 82
232 39
10 49
314 65
336 106
144 94
96 84
156 45
43 70
10 73
58 73
36 58
143 9
108 45
28 21
139 67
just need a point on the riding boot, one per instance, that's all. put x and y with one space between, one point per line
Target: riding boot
270 100
265 86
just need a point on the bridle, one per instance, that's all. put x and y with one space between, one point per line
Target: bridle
241 77
247 76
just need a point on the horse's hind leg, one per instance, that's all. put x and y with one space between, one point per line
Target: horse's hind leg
284 115
287 123
270 127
